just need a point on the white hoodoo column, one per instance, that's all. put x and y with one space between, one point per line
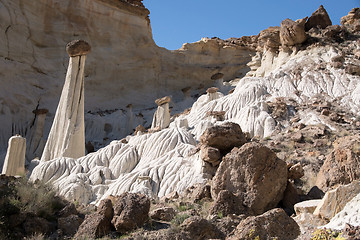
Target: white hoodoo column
15 157
161 117
67 134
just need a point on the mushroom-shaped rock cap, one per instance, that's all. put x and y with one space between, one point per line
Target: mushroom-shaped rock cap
77 48
40 111
212 90
217 76
162 101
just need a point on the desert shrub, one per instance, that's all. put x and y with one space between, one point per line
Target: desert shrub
38 199
179 219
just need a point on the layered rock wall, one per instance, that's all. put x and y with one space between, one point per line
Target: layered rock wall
125 61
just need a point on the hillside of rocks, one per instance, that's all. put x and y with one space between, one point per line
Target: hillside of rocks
245 138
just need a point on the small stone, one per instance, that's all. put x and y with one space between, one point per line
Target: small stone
325 112
139 128
163 214
297 137
306 206
210 154
296 171
78 48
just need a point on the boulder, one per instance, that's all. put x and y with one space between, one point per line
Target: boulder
223 137
270 38
68 210
36 225
319 19
274 224
227 203
163 214
201 192
210 154
292 33
70 224
342 165
97 224
335 200
254 174
131 210
308 206
199 228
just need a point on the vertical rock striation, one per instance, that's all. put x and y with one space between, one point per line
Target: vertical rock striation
67 134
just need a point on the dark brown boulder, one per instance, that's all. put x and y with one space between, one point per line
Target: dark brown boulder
223 137
210 154
274 224
254 174
69 224
36 225
227 203
199 228
319 19
131 210
97 224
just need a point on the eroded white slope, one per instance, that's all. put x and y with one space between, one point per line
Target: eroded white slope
155 164
300 76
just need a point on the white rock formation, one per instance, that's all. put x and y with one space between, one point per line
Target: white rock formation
308 206
15 157
67 134
161 117
156 164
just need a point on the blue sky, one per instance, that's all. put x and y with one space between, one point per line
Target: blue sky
175 22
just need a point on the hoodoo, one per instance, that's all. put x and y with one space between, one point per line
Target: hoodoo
15 157
162 115
67 134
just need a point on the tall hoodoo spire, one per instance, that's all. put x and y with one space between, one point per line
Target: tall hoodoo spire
67 134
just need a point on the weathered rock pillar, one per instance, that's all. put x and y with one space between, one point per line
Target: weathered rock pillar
212 93
67 134
162 115
15 157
